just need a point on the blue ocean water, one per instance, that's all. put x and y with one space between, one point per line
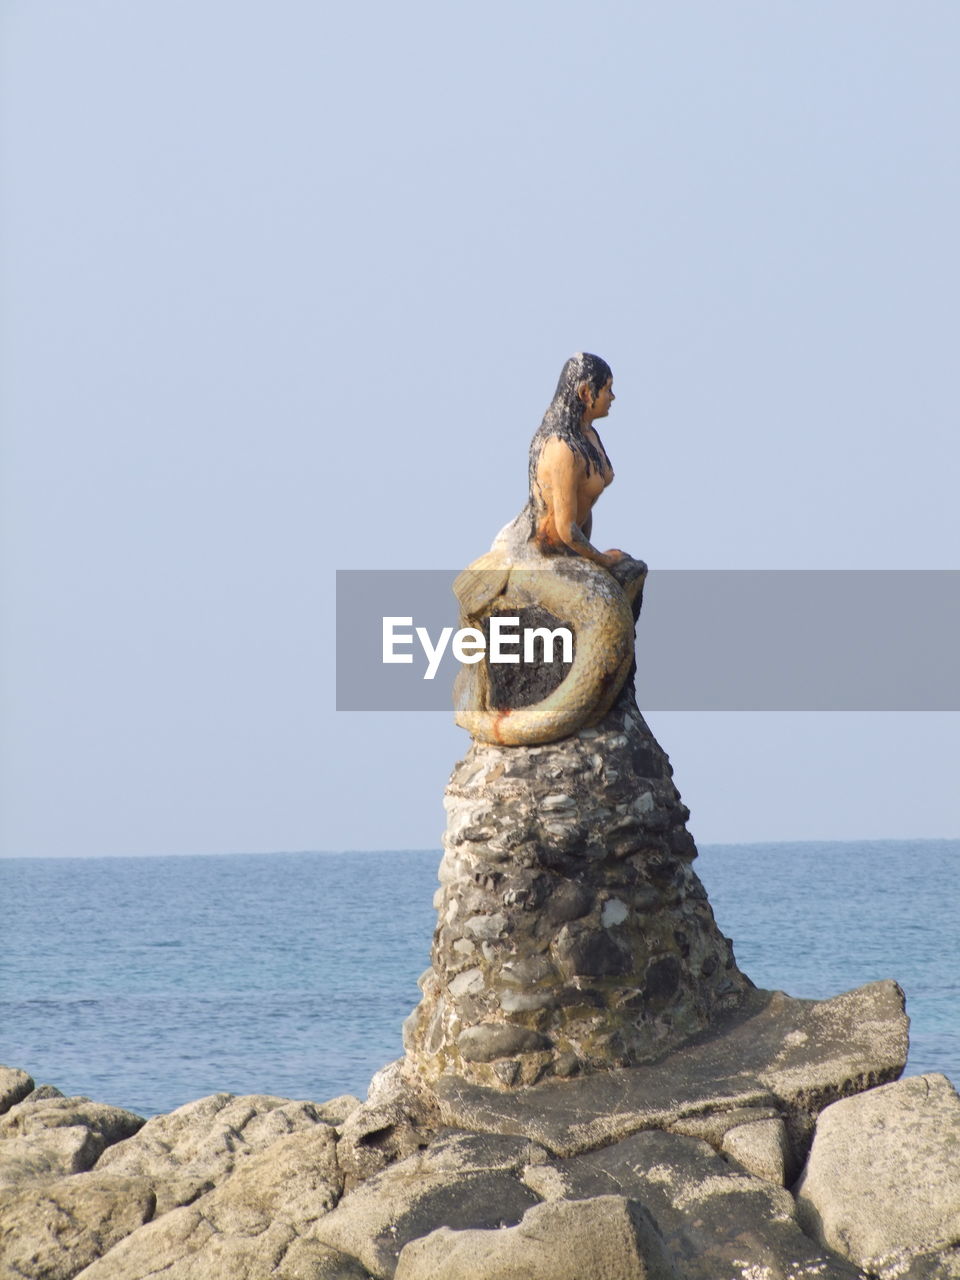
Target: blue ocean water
147 982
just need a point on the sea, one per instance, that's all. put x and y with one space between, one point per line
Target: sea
149 982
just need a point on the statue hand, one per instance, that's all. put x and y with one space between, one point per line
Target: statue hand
615 554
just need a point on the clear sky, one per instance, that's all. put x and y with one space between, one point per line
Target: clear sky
286 288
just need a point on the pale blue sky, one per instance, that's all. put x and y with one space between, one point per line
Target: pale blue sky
286 288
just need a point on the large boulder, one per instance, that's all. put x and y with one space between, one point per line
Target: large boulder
203 1141
14 1086
717 1221
52 1230
44 1091
45 1137
36 1115
607 1238
48 1155
258 1222
459 1181
882 1183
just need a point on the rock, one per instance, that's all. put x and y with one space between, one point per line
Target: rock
309 1260
716 1221
54 1230
338 1110
762 1148
394 1122
206 1139
790 1056
590 953
943 1265
170 1161
295 1180
173 1192
712 1126
882 1183
545 1181
33 1116
258 1222
49 1136
489 1041
568 900
184 1245
14 1086
609 1237
524 1002
52 1153
459 1180
485 928
470 982
392 1083
44 1091
457 1150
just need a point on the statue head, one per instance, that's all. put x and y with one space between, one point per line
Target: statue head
582 378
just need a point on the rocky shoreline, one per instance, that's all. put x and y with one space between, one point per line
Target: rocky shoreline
779 1145
592 1089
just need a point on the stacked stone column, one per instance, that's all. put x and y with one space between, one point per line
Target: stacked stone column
573 933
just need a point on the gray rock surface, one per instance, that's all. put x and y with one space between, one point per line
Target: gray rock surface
792 1057
34 1116
718 1222
882 1182
48 1136
490 1205
942 1265
712 1126
14 1086
44 1091
308 1260
396 1120
52 1230
338 1110
257 1223
607 1238
762 1147
459 1181
48 1154
206 1139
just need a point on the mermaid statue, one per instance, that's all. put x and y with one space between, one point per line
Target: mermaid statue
544 565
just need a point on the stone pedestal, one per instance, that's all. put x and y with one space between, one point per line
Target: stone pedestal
573 933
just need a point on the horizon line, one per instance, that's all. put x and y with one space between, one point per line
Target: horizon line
320 853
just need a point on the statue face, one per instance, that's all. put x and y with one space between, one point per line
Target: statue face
596 406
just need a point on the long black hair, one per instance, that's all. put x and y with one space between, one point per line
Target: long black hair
564 416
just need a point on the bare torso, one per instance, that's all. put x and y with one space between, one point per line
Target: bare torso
568 493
